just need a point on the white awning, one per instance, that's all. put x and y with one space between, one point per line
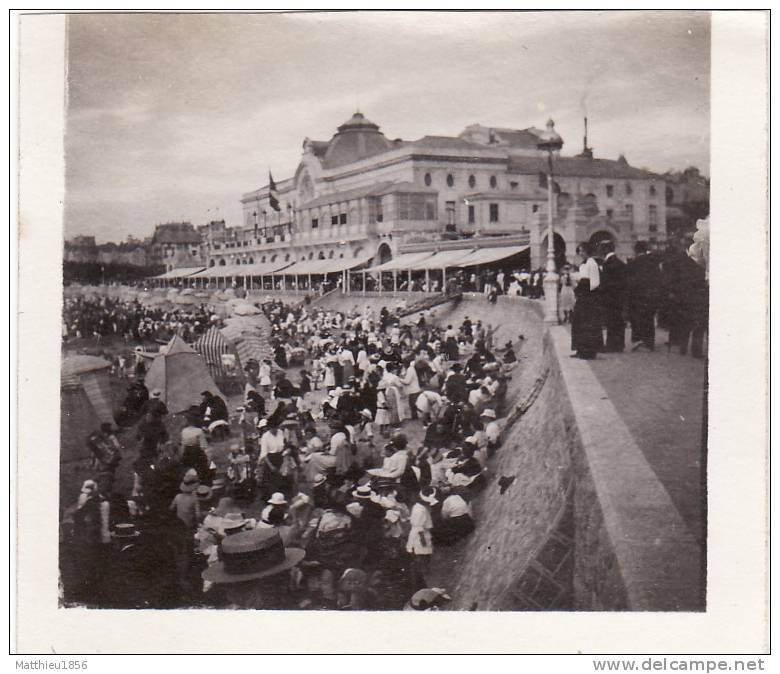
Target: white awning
264 269
333 266
225 271
488 255
442 260
342 263
402 262
303 267
181 272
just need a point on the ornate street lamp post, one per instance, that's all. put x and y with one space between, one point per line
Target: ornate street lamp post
550 141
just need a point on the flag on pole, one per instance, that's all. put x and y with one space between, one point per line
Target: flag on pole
273 194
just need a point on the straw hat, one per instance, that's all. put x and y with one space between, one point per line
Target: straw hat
427 599
232 523
277 499
363 492
226 505
251 555
190 481
125 530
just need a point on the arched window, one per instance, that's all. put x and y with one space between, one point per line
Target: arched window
311 255
652 190
428 179
251 260
287 257
493 182
450 180
472 182
321 255
222 262
330 255
211 262
262 259
341 255
273 258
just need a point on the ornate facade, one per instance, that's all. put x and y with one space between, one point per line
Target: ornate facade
361 195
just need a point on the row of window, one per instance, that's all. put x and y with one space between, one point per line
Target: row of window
171 252
273 258
652 215
472 181
472 215
629 190
493 181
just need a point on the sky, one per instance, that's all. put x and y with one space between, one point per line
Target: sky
173 117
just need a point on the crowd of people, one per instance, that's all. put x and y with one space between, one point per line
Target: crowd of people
134 322
604 293
356 452
331 486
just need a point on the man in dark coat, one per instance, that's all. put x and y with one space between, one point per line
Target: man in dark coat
456 387
644 292
216 406
348 407
686 303
154 405
613 295
284 388
151 432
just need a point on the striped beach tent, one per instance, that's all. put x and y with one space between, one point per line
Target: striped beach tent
85 402
212 345
252 346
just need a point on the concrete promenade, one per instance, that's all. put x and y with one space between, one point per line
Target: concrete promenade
659 395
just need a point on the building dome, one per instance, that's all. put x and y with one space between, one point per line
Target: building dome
356 139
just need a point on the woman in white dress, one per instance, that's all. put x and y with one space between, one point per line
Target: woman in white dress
330 372
264 376
397 402
566 298
382 417
420 541
586 336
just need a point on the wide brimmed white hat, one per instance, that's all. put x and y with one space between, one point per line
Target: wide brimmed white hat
277 498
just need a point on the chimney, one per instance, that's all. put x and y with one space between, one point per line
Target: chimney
587 152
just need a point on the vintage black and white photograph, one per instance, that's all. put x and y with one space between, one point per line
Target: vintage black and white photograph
385 312
320 311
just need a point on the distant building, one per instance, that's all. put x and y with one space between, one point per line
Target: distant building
132 252
176 244
81 249
687 200
361 195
